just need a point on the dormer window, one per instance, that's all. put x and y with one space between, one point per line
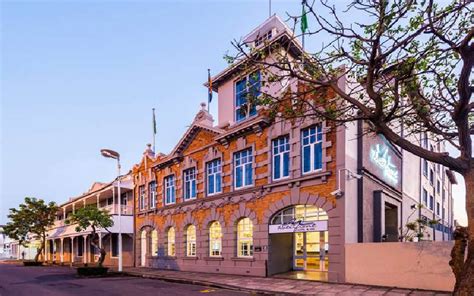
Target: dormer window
263 38
246 89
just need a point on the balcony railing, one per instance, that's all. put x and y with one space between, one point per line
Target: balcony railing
113 209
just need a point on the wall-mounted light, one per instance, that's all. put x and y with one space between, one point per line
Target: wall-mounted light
338 193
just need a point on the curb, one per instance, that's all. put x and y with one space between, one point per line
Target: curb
240 288
205 283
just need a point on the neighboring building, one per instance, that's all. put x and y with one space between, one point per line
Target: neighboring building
65 245
5 245
432 188
251 196
26 251
10 249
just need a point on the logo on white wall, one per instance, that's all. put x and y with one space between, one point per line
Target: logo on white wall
299 226
379 155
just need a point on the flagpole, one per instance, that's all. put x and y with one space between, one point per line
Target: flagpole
269 8
154 129
209 90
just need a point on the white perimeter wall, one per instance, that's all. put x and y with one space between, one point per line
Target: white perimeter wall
423 265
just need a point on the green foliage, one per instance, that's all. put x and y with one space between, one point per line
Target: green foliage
33 217
418 228
18 227
94 218
90 216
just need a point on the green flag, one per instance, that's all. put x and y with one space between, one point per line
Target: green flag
304 20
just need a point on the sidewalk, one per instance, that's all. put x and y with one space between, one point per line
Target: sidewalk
271 286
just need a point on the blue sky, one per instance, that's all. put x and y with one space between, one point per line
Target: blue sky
79 76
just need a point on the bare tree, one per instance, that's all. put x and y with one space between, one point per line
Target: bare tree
406 63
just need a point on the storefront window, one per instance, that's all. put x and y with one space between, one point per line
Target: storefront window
171 242
245 238
215 239
191 240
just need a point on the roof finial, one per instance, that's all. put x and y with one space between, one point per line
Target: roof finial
203 106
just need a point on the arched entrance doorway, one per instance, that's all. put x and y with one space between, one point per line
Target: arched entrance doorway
299 242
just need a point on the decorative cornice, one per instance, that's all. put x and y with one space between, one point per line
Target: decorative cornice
252 126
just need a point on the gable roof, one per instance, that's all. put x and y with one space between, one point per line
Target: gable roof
202 122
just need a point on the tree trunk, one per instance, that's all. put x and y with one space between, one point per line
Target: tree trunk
38 252
95 243
465 271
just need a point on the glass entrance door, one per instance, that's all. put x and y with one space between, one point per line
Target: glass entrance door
299 257
310 251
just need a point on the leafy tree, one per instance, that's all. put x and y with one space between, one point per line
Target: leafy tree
17 228
407 67
93 218
33 217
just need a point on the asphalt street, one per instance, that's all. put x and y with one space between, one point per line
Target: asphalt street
18 280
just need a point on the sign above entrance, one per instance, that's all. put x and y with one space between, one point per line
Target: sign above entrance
380 156
299 226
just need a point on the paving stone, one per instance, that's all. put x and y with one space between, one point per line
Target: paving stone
279 285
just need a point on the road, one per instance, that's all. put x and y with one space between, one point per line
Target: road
18 280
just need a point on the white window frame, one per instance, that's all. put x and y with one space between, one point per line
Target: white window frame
189 178
312 148
281 154
249 159
248 87
141 197
191 242
152 195
154 242
213 240
425 194
214 171
171 242
169 183
244 225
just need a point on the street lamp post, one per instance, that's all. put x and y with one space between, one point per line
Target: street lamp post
115 155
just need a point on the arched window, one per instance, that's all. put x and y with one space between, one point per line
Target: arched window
171 242
299 213
154 243
191 240
215 239
245 238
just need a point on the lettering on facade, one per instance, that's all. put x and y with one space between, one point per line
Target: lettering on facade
379 155
299 226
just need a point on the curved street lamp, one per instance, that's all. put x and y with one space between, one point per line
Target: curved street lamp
115 155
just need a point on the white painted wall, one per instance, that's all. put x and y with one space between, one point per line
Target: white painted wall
422 265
